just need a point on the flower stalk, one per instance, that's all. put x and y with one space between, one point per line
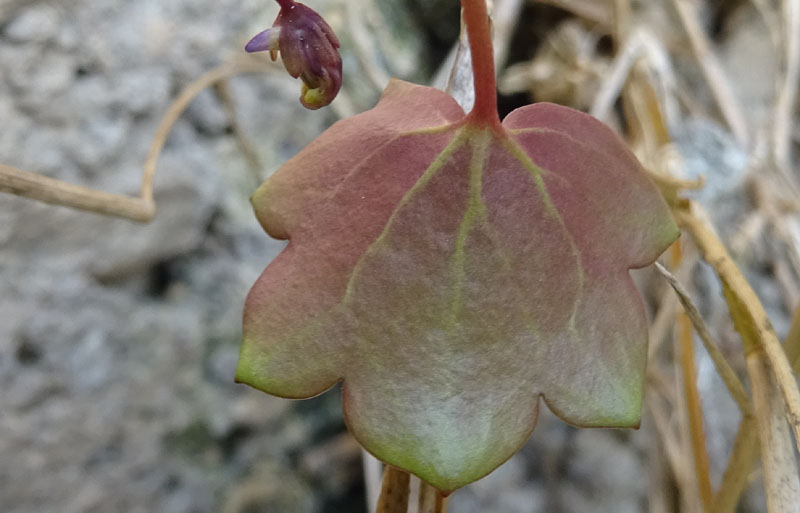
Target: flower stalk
476 18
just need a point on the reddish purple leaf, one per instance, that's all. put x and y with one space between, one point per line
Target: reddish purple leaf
451 274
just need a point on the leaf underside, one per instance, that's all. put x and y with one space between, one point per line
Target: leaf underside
450 275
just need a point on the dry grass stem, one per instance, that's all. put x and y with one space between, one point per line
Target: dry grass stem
662 421
792 343
745 448
431 500
223 91
732 382
179 105
688 486
372 478
394 492
643 45
781 482
363 44
746 309
694 410
713 72
787 95
622 19
662 323
505 16
56 192
142 209
737 473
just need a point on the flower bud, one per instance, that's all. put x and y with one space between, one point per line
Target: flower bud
308 48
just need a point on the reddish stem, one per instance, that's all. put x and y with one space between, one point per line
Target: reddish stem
286 4
476 18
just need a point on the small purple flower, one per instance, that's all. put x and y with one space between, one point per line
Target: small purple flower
308 47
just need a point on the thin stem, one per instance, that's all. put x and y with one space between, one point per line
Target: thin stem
693 405
750 318
745 449
57 192
395 491
476 17
431 500
724 369
694 410
740 465
777 455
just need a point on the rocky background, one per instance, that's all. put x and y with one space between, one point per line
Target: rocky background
118 341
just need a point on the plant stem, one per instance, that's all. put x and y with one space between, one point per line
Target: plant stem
693 405
747 312
142 209
781 483
286 4
476 17
431 500
395 490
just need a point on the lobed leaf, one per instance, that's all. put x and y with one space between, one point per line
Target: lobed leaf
451 274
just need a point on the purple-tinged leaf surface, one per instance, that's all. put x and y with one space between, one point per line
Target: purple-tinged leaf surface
451 275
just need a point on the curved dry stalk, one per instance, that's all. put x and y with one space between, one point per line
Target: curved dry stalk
724 369
745 309
745 448
781 483
57 192
764 353
142 209
395 491
179 105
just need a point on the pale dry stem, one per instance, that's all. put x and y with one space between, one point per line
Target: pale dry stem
737 473
781 482
724 369
663 423
689 485
372 478
762 348
694 410
395 491
745 448
431 500
223 91
787 95
142 209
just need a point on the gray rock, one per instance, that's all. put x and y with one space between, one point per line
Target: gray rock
37 24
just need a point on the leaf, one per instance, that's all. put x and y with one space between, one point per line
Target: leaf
451 274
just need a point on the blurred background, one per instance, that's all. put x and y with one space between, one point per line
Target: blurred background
118 341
